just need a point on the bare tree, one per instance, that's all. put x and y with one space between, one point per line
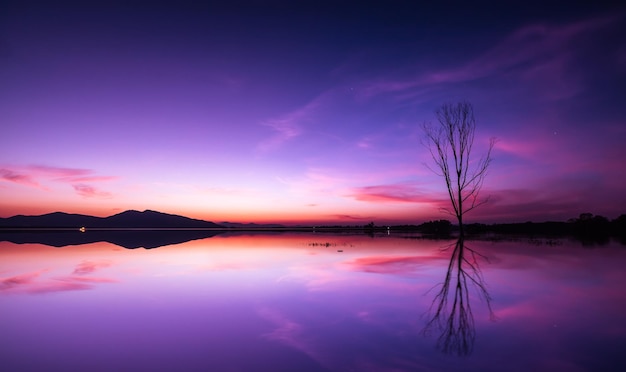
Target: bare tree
450 144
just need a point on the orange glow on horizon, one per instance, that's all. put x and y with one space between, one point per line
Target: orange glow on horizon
277 217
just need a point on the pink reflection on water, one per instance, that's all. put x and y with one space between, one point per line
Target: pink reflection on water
34 269
403 265
32 283
88 267
17 280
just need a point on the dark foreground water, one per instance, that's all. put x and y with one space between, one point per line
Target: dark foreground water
306 302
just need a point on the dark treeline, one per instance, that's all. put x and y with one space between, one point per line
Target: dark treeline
589 229
586 225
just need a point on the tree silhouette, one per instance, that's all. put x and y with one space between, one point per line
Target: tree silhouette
450 144
450 313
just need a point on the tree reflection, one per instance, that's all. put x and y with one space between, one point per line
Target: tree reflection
451 310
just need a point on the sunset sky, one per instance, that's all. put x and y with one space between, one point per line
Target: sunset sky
307 114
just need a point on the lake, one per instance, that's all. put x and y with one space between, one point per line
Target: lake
314 302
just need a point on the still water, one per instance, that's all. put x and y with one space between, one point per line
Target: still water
314 302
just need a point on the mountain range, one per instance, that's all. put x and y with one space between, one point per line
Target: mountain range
124 220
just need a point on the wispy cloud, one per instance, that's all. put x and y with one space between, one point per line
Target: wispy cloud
546 201
315 182
15 176
295 123
87 279
536 54
351 217
87 179
58 172
36 175
88 191
399 193
287 127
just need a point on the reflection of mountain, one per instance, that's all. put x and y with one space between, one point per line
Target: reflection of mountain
451 311
124 238
127 219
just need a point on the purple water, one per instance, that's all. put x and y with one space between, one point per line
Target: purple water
294 302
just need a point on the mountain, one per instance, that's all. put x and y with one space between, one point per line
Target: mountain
127 219
155 219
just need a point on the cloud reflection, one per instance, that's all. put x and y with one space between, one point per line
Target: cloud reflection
17 280
34 283
405 265
288 332
88 267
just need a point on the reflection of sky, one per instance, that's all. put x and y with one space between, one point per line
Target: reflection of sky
284 303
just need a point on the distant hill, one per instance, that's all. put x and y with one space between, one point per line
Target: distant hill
127 219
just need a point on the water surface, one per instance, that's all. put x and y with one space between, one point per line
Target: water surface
313 302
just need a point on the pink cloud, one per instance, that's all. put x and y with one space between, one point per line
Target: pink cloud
88 191
517 147
69 175
401 193
352 217
58 171
33 175
22 179
86 279
87 179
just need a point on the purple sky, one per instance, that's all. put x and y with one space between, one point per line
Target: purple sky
308 114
